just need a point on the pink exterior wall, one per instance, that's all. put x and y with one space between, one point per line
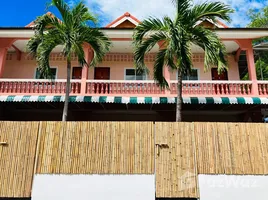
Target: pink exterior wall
233 71
25 69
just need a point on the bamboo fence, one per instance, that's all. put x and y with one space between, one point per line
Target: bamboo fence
175 152
96 148
207 148
17 157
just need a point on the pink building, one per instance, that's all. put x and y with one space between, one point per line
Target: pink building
114 91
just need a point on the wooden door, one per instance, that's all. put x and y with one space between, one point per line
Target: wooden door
102 73
77 73
219 77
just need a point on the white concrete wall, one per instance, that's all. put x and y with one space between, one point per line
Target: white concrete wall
233 187
97 187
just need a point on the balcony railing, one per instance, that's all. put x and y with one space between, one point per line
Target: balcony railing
121 87
214 88
263 87
131 88
38 86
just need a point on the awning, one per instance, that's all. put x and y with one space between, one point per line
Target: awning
137 100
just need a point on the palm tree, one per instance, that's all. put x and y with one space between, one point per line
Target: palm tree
73 32
176 36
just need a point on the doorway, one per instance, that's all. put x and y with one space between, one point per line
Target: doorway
77 73
219 77
102 73
224 88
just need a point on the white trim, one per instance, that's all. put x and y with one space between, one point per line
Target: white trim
222 33
210 21
262 82
52 67
135 74
38 80
215 82
123 20
119 81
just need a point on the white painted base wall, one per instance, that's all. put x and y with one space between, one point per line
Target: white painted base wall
231 187
95 187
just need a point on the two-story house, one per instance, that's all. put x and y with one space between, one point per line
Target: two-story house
113 90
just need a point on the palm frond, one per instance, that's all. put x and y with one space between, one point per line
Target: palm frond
33 44
82 15
98 41
148 26
146 46
64 10
182 8
45 22
43 51
211 11
159 65
215 51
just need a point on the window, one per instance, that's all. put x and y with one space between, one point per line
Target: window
193 76
132 74
39 76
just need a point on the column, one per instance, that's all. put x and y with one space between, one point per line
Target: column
3 54
246 45
5 43
88 57
166 74
252 70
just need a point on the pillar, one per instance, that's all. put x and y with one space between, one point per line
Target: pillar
88 57
246 45
3 54
166 74
5 43
252 70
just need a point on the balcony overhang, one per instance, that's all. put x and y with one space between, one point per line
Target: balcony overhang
121 38
224 33
137 100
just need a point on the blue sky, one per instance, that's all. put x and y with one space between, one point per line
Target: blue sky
22 12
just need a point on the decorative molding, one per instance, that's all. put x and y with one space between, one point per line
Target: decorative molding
110 57
126 57
198 58
10 56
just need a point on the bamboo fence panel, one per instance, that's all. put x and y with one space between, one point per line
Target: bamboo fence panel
214 148
237 148
175 161
17 158
96 148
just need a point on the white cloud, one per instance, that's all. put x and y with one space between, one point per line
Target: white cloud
111 9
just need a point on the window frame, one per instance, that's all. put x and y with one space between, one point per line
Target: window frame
52 67
125 70
198 75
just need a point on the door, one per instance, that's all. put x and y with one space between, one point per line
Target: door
77 73
102 73
220 88
219 77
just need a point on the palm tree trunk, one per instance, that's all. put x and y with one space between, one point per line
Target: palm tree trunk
179 97
68 85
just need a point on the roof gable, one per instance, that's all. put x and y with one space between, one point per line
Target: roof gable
210 24
125 21
48 13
